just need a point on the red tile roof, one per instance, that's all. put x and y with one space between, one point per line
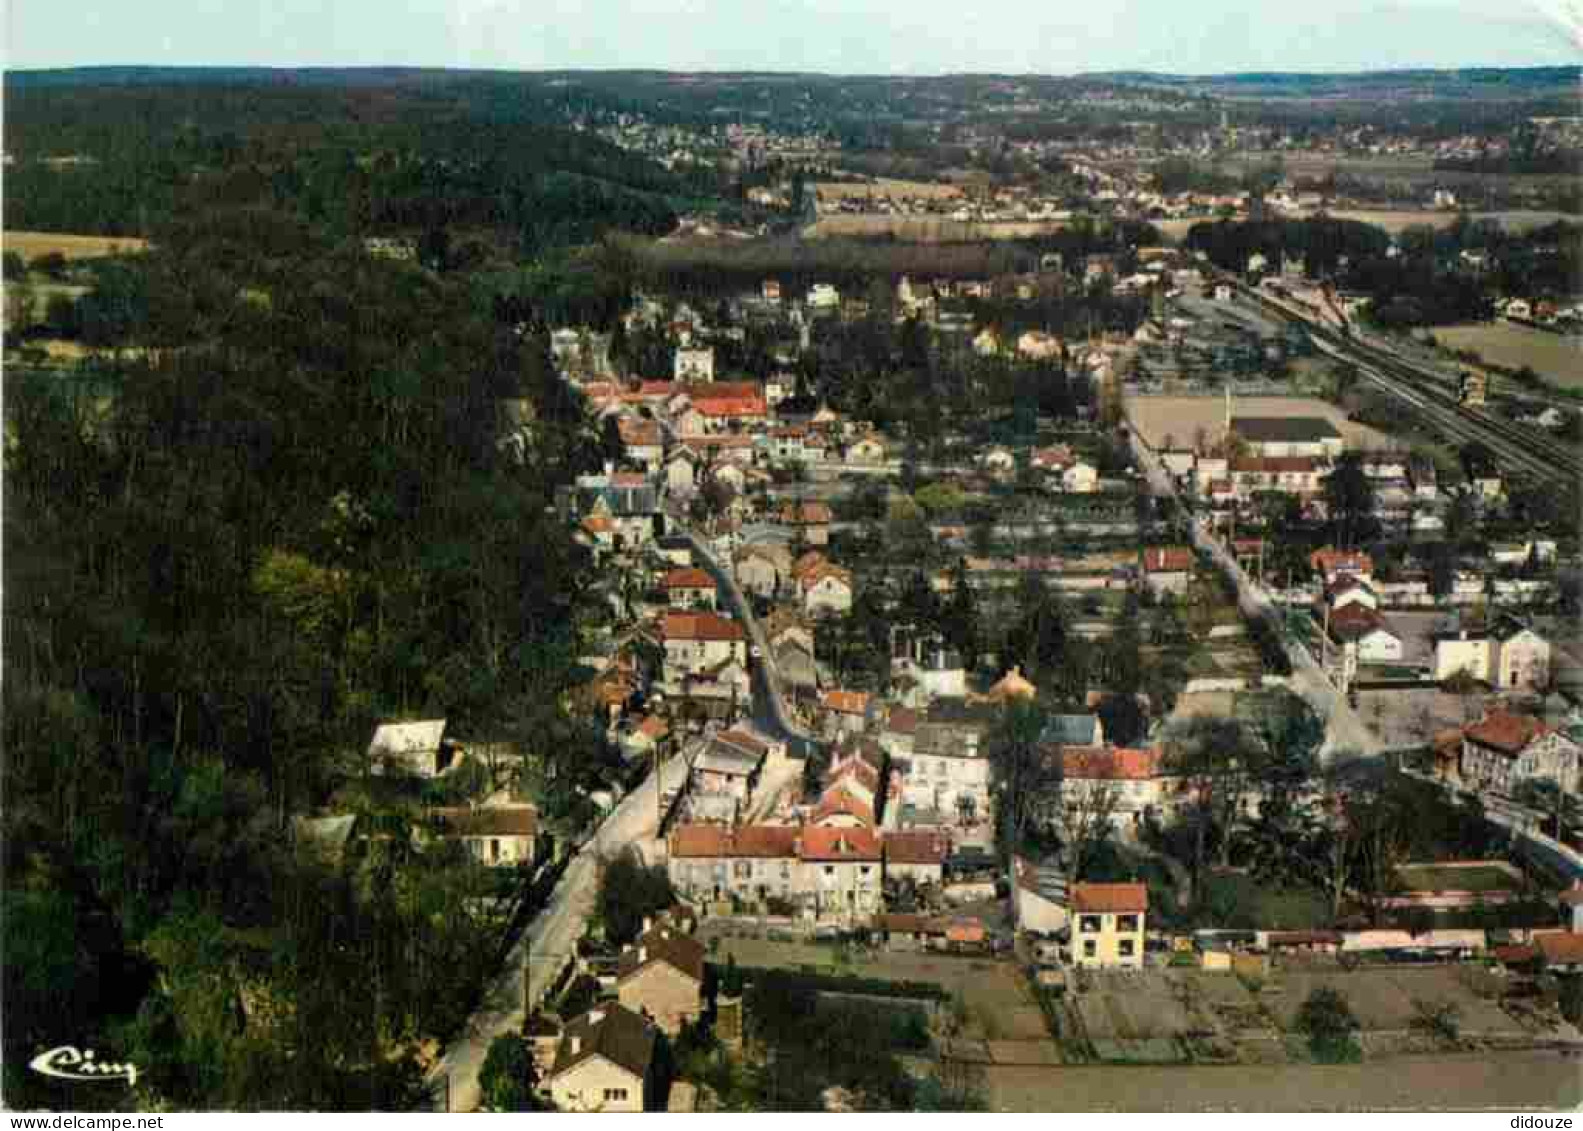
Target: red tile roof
707 841
839 844
1560 948
1100 898
1097 763
688 579
805 514
1329 560
846 702
839 801
1506 732
916 846
1167 559
700 626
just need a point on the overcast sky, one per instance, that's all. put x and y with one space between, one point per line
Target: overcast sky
867 36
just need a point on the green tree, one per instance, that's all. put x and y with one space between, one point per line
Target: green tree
1328 1022
509 1078
629 892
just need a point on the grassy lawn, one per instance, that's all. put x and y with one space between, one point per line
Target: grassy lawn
1235 900
1428 877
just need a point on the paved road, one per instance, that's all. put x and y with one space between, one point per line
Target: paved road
542 950
769 711
1345 732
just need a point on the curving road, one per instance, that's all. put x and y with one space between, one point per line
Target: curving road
769 710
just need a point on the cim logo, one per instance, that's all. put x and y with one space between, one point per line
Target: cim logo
67 1063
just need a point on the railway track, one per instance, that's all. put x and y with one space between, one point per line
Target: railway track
1433 396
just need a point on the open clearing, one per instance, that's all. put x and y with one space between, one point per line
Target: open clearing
1555 357
1394 221
31 245
928 229
1156 417
883 187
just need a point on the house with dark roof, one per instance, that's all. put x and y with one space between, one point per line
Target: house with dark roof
605 1062
1289 436
661 976
501 836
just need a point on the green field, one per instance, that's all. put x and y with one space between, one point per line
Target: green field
1431 877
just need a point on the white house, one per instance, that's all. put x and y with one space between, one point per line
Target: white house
697 641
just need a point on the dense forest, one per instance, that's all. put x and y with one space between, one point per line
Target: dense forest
462 157
276 514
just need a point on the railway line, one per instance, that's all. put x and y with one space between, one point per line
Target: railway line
1434 397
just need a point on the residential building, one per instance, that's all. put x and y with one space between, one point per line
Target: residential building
661 976
1073 730
917 855
844 868
1136 778
1363 629
1504 749
1290 475
695 365
417 748
813 519
940 759
689 588
824 588
1521 657
750 862
846 712
643 440
1168 569
605 1062
1279 436
1038 897
500 836
696 641
1332 564
730 762
926 659
1108 924
762 569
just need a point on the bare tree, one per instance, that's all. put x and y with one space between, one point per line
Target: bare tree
1081 817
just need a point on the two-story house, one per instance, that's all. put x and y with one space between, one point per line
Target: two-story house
844 868
1108 925
697 641
661 976
1504 749
605 1062
689 588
